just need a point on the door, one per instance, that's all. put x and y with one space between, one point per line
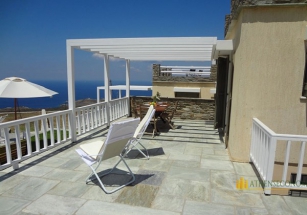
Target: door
221 92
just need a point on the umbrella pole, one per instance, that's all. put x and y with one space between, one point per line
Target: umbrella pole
15 104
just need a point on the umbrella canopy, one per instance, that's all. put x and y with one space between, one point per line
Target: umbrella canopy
15 87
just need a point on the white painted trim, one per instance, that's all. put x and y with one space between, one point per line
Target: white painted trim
160 48
213 91
187 89
123 87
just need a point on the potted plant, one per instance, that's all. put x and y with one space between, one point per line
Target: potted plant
155 98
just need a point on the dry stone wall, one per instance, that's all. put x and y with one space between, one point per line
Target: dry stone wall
188 108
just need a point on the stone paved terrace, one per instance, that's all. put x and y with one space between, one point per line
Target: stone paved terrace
189 172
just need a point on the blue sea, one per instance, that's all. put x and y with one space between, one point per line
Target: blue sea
84 90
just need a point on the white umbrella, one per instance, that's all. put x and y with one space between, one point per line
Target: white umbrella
15 87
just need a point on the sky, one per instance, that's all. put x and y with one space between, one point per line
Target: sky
33 33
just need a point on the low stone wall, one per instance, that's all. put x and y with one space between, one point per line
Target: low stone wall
188 108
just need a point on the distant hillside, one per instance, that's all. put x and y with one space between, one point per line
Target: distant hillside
79 103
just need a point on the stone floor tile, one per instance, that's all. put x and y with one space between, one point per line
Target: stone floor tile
221 152
215 157
66 175
31 188
216 164
35 170
248 211
207 151
96 193
194 190
149 177
8 181
157 164
193 151
223 180
189 164
168 203
71 164
236 198
201 145
201 208
52 204
97 207
183 157
276 204
244 169
12 205
70 189
214 141
196 174
53 162
298 205
174 147
259 211
139 195
243 211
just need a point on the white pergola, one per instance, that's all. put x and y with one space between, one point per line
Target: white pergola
137 49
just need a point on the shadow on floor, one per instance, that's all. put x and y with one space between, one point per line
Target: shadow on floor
119 177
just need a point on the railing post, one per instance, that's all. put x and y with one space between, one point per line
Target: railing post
300 163
128 83
71 90
107 87
270 163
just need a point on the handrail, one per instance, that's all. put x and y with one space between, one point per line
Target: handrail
264 142
56 126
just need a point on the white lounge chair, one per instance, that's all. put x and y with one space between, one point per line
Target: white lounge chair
119 135
140 130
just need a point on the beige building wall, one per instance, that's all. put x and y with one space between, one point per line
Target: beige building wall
269 60
166 89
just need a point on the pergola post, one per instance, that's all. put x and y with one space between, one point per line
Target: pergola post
107 87
71 90
128 83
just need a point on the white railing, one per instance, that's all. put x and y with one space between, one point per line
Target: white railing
262 155
118 108
90 117
187 70
23 138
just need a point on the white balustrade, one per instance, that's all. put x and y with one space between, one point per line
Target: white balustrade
27 139
262 154
90 117
118 108
187 70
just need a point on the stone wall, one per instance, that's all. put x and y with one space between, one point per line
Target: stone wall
188 108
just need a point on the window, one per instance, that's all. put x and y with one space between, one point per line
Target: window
186 95
187 92
303 181
304 93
